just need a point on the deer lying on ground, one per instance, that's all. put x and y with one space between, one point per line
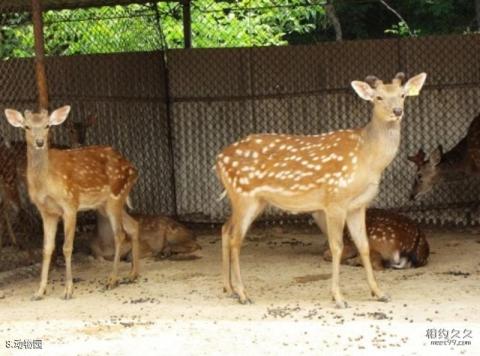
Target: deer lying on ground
462 160
159 236
395 241
63 182
334 176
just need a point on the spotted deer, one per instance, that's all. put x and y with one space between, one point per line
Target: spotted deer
14 167
63 182
462 160
159 235
332 175
395 241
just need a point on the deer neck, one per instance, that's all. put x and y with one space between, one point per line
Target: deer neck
382 140
37 165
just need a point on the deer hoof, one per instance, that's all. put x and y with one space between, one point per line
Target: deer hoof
36 297
112 283
385 298
341 304
245 301
68 293
132 277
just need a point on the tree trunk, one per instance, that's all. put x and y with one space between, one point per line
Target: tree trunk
333 18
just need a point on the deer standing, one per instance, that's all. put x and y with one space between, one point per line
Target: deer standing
394 240
158 235
462 160
333 175
14 167
63 182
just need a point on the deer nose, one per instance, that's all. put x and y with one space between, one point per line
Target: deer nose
398 111
40 142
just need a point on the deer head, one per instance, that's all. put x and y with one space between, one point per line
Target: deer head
37 125
388 99
427 171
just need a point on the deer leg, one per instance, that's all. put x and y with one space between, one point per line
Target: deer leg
69 223
226 267
241 222
320 220
115 217
335 224
50 223
356 226
132 228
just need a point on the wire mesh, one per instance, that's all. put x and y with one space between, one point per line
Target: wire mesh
19 223
170 111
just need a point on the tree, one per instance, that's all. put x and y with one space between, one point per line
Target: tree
233 23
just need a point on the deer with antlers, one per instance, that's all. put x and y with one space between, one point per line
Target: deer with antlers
333 175
462 160
63 182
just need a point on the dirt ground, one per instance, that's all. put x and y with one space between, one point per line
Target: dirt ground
178 307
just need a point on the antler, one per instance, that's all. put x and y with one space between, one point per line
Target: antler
373 81
419 158
399 78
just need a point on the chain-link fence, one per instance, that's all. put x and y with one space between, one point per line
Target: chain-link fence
170 111
18 220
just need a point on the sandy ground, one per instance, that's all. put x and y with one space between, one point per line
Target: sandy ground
178 307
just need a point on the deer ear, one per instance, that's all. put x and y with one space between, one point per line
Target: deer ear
415 84
15 118
363 90
59 115
436 155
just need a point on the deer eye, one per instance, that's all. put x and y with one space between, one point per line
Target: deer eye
27 127
48 126
379 98
403 96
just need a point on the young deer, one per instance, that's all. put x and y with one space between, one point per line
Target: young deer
395 241
333 175
158 235
63 182
462 160
14 167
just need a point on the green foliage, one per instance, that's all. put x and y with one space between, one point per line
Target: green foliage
402 30
228 23
252 22
16 36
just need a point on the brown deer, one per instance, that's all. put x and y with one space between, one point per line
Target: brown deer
395 241
462 160
159 235
14 167
334 175
63 182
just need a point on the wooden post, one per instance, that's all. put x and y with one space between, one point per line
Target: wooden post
187 24
40 55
